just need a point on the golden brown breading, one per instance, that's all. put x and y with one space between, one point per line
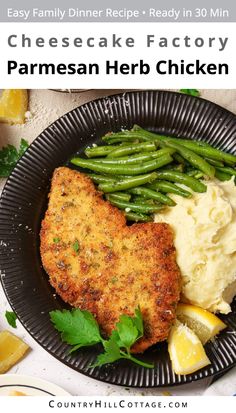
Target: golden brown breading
98 263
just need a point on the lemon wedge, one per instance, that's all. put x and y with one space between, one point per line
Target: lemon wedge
12 349
205 324
186 350
13 105
17 393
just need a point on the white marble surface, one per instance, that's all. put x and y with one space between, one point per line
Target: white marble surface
45 107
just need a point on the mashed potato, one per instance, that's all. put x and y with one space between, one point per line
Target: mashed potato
205 240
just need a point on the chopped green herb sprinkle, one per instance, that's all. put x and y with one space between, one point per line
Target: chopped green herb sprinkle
114 280
76 246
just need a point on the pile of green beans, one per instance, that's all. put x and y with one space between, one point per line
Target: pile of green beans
138 170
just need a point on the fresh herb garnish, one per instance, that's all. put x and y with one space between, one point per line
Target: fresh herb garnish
79 328
76 246
23 146
191 92
56 240
114 280
9 156
11 318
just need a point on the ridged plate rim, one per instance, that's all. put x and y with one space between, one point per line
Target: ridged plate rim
103 114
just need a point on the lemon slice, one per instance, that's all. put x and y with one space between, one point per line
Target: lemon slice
17 393
186 350
12 349
205 324
13 105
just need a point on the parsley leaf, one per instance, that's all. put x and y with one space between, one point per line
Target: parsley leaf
191 92
115 336
79 328
56 240
138 321
115 349
23 146
127 331
112 353
11 318
9 156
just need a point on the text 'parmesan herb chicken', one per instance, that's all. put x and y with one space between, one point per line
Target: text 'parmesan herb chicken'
149 168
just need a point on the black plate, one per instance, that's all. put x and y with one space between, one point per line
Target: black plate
24 201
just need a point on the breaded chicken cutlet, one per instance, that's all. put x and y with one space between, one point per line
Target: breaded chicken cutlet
98 263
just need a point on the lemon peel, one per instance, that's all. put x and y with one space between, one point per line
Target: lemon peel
186 351
12 349
13 106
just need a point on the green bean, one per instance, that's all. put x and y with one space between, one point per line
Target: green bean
128 206
123 137
121 177
174 167
189 181
199 175
142 200
115 161
168 187
115 141
122 140
135 169
99 151
149 203
191 171
132 216
199 147
150 194
120 196
182 141
98 179
127 183
222 176
214 162
177 157
194 159
227 170
121 161
212 153
162 151
136 127
195 173
133 148
141 134
148 134
146 156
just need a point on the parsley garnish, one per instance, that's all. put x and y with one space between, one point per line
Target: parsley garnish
11 318
9 156
79 328
191 92
56 240
76 246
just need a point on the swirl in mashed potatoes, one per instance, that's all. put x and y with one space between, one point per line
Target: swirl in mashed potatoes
205 240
